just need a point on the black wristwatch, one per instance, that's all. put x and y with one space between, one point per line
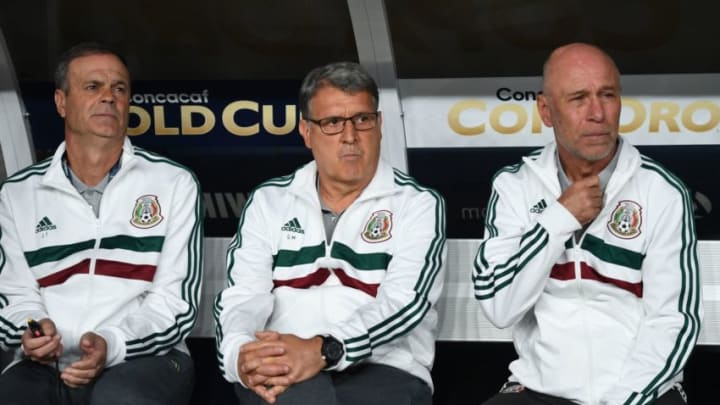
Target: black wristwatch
331 351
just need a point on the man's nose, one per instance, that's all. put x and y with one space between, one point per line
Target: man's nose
349 134
107 95
596 110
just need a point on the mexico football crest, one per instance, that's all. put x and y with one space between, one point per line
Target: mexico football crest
377 229
146 213
626 219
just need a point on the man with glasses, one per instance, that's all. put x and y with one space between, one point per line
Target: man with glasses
335 269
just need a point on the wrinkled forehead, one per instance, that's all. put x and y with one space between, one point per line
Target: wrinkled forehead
567 76
99 65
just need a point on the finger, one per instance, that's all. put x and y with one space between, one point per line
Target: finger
87 373
267 335
59 350
41 350
250 366
269 351
591 181
276 390
75 383
273 369
269 365
48 326
256 345
248 363
85 364
31 344
277 381
269 397
248 353
269 376
87 345
264 393
594 182
256 379
74 379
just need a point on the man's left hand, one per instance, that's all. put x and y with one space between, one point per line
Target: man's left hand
302 356
299 361
90 365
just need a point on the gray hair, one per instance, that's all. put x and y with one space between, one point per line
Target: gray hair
78 51
349 77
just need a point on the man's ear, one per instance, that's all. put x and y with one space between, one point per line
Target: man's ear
543 107
60 102
304 129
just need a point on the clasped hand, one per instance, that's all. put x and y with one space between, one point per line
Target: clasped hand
275 361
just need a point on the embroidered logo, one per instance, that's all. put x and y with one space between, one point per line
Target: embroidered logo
44 225
146 213
539 207
625 220
293 225
377 229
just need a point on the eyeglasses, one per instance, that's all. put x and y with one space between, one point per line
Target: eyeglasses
334 125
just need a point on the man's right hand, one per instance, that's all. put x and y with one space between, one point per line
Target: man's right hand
583 199
44 349
260 369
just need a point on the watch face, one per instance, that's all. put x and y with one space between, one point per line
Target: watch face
332 350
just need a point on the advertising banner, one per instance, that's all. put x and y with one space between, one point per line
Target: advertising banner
232 134
237 134
460 132
492 112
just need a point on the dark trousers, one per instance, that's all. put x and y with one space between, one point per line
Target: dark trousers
361 385
528 397
154 380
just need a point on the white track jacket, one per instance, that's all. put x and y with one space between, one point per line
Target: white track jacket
373 286
132 275
611 319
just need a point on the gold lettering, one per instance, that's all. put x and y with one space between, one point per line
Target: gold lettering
687 116
639 114
159 117
143 124
186 113
228 118
269 125
664 111
454 117
515 109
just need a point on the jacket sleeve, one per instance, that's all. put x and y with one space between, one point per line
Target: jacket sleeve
245 305
410 289
517 254
672 304
169 310
19 291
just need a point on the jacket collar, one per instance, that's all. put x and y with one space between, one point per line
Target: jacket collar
55 175
545 166
382 183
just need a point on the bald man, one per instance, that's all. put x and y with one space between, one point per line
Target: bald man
590 254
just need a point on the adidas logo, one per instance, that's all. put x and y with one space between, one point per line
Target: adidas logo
293 225
538 207
44 225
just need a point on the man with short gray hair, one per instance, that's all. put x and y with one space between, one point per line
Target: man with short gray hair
335 269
